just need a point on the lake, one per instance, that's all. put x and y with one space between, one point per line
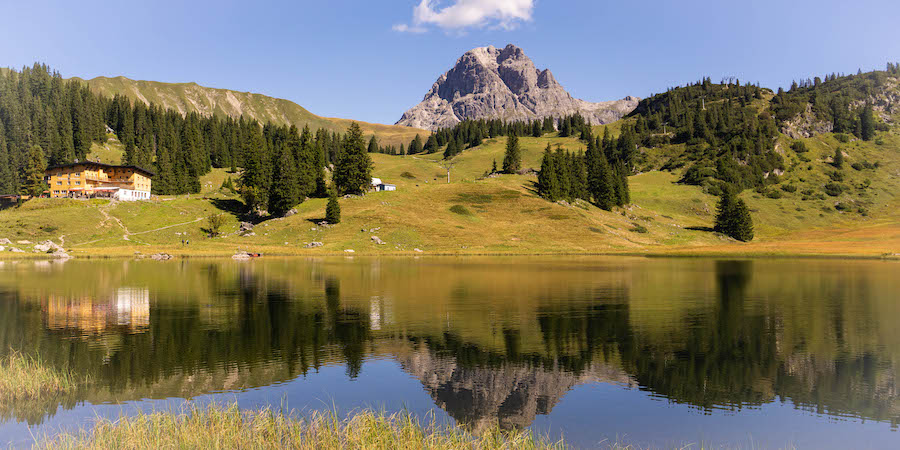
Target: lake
646 351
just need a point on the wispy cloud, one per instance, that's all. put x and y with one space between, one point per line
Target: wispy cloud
459 15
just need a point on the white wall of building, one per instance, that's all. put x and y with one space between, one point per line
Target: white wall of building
129 195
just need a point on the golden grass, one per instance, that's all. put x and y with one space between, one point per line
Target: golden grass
26 378
227 426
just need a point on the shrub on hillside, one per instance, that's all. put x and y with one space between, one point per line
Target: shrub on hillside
834 189
799 147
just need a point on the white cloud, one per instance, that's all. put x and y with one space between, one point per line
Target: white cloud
463 14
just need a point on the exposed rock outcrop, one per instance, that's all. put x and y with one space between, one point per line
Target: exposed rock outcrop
489 83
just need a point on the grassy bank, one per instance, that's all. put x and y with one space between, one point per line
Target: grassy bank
218 426
25 378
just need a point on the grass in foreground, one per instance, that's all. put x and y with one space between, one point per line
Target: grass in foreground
25 378
218 426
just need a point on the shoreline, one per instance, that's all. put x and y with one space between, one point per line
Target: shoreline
281 252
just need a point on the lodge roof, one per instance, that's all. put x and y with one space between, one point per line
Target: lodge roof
103 165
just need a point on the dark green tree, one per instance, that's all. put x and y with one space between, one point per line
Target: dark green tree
283 193
333 209
353 171
415 146
33 175
867 123
548 184
512 160
431 145
838 161
733 217
373 145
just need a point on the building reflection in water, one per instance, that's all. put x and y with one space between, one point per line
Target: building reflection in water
126 309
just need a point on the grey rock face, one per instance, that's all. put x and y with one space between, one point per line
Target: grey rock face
488 83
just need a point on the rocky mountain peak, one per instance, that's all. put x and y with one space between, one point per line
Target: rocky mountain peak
487 83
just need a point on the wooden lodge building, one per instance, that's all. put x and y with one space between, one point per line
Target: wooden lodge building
90 179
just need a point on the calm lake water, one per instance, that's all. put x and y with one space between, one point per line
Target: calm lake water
651 352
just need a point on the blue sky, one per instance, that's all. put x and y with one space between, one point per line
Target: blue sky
372 60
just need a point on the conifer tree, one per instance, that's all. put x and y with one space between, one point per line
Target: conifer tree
431 145
415 147
33 176
452 148
255 177
733 217
838 161
283 193
512 161
7 176
867 123
333 209
353 171
600 184
494 167
373 145
548 185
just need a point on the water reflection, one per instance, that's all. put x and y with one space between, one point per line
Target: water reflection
489 343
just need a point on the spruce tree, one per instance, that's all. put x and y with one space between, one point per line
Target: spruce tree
431 145
838 161
373 145
548 185
512 161
733 217
452 149
7 175
333 209
283 193
353 171
415 146
33 176
867 123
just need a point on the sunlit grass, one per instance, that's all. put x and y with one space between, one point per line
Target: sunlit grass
25 378
227 426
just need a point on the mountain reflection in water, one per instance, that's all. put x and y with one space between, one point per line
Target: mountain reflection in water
492 342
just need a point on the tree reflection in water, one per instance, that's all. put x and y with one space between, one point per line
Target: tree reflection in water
756 335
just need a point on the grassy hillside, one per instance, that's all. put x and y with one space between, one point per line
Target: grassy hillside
191 97
502 214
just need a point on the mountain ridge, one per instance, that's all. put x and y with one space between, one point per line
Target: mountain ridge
489 83
190 97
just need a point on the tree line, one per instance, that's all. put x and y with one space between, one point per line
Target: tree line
841 100
45 120
599 175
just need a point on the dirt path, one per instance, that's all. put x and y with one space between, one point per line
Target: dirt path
127 234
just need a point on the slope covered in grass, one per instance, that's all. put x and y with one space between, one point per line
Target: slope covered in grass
191 97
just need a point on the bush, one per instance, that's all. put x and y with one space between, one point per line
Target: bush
799 147
774 194
857 166
842 206
638 228
836 176
408 175
841 137
789 188
834 189
461 210
879 141
214 224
